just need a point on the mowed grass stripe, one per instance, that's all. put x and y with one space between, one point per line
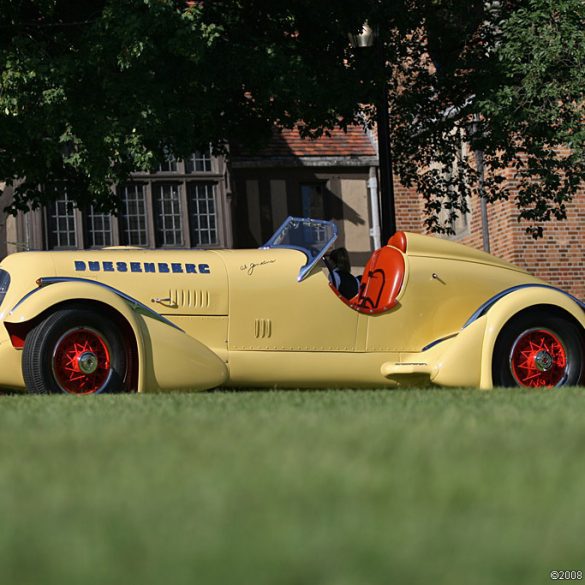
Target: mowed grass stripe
333 487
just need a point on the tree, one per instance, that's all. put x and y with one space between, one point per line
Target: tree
92 91
538 107
509 80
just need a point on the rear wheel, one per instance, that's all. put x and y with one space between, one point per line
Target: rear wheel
539 350
75 351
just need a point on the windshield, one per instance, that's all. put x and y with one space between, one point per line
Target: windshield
313 237
4 284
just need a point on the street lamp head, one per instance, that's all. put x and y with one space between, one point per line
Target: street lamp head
365 38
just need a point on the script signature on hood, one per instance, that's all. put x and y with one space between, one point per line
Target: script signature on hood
252 265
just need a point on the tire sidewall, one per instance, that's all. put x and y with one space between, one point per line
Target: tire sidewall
566 331
41 342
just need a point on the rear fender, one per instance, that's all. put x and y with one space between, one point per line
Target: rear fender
465 359
457 361
519 300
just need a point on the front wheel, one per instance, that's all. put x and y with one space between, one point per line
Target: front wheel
75 351
539 350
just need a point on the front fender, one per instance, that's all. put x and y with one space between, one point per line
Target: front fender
175 361
168 359
509 305
41 299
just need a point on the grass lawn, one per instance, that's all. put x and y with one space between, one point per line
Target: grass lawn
340 488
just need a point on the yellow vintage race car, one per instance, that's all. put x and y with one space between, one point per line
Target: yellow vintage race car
428 311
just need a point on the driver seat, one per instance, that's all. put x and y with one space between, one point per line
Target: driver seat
383 277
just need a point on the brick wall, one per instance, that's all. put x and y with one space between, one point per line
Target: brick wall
409 209
559 257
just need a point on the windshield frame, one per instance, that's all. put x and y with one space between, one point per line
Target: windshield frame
312 258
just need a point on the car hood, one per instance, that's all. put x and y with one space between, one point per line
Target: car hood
172 282
193 281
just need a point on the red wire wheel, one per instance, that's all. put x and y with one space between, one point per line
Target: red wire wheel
81 361
538 359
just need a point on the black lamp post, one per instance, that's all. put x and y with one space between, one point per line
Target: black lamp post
369 38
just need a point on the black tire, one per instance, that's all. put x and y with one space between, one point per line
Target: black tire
60 352
537 349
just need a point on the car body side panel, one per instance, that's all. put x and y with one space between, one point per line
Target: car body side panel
212 331
273 312
184 282
311 369
439 297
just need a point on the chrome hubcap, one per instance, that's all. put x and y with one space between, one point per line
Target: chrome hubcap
87 362
543 361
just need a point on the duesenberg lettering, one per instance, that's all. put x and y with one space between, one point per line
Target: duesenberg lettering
147 267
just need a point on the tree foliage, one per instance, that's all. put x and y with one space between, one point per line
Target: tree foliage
510 84
91 91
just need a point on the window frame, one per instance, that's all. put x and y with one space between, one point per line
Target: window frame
87 232
216 177
157 188
76 223
190 202
147 214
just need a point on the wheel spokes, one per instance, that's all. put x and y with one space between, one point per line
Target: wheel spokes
81 362
538 359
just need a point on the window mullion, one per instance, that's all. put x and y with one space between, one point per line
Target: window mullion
115 230
185 219
150 219
78 227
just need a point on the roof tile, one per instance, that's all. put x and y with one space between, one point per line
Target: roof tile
288 142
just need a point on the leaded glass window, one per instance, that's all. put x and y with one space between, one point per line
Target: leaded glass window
98 228
198 162
168 166
133 218
61 223
202 214
167 211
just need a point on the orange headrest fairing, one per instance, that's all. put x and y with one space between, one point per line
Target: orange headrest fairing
398 240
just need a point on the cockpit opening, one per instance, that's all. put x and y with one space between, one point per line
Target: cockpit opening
381 282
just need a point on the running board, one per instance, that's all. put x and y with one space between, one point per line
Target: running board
391 369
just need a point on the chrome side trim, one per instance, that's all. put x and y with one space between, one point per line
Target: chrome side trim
28 294
135 305
437 341
485 307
